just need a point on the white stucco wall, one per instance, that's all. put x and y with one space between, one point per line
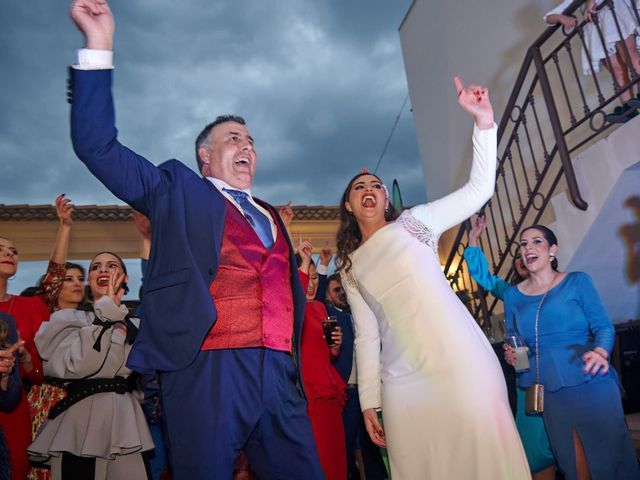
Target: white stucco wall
485 43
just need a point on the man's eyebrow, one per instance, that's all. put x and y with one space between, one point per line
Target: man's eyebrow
240 134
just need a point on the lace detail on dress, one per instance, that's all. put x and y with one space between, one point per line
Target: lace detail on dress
418 229
349 277
415 228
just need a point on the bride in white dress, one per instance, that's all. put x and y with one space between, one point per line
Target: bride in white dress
420 355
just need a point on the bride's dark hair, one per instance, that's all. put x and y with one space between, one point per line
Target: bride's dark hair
349 236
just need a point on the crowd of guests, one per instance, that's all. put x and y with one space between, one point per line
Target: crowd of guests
77 332
76 337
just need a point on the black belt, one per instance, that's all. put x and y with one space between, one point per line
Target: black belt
80 389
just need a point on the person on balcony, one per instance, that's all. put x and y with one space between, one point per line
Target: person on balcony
420 355
570 337
531 427
617 33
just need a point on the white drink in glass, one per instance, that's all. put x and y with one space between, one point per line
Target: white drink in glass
522 359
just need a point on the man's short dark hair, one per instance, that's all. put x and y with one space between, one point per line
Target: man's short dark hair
204 134
334 278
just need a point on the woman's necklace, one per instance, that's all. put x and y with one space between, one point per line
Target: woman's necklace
549 285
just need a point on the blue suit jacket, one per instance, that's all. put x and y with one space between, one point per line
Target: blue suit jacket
187 215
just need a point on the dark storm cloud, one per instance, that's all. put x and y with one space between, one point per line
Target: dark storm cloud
320 84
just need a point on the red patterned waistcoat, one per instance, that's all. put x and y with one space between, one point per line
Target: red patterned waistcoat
251 290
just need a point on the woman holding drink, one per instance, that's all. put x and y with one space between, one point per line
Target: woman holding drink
521 352
569 335
325 388
531 427
420 355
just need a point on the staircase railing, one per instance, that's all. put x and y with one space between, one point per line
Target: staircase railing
553 113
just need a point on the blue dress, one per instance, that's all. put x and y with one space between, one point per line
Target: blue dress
530 427
572 321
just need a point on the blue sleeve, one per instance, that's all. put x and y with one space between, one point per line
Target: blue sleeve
144 265
10 398
599 322
321 294
479 271
126 174
509 313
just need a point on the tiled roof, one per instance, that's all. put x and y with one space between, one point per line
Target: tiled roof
119 212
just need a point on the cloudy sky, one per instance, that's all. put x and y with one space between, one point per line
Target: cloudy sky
320 84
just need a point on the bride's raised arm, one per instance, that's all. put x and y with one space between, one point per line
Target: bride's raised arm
457 206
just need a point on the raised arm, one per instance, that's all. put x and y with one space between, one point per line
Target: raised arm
323 270
477 262
95 20
143 227
305 249
479 271
555 16
450 210
56 270
286 214
126 174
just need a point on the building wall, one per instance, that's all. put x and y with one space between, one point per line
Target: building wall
485 43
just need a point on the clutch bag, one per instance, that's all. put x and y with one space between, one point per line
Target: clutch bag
534 399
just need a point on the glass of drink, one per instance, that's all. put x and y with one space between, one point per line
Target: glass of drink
328 326
522 352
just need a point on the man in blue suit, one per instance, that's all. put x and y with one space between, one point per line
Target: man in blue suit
223 304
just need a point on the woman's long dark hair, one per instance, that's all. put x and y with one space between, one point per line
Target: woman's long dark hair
516 278
349 236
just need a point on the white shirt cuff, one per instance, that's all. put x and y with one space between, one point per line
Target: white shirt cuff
89 59
322 269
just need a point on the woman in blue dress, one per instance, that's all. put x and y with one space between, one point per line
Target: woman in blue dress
560 315
530 427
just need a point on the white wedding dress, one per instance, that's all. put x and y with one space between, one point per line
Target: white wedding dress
420 355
